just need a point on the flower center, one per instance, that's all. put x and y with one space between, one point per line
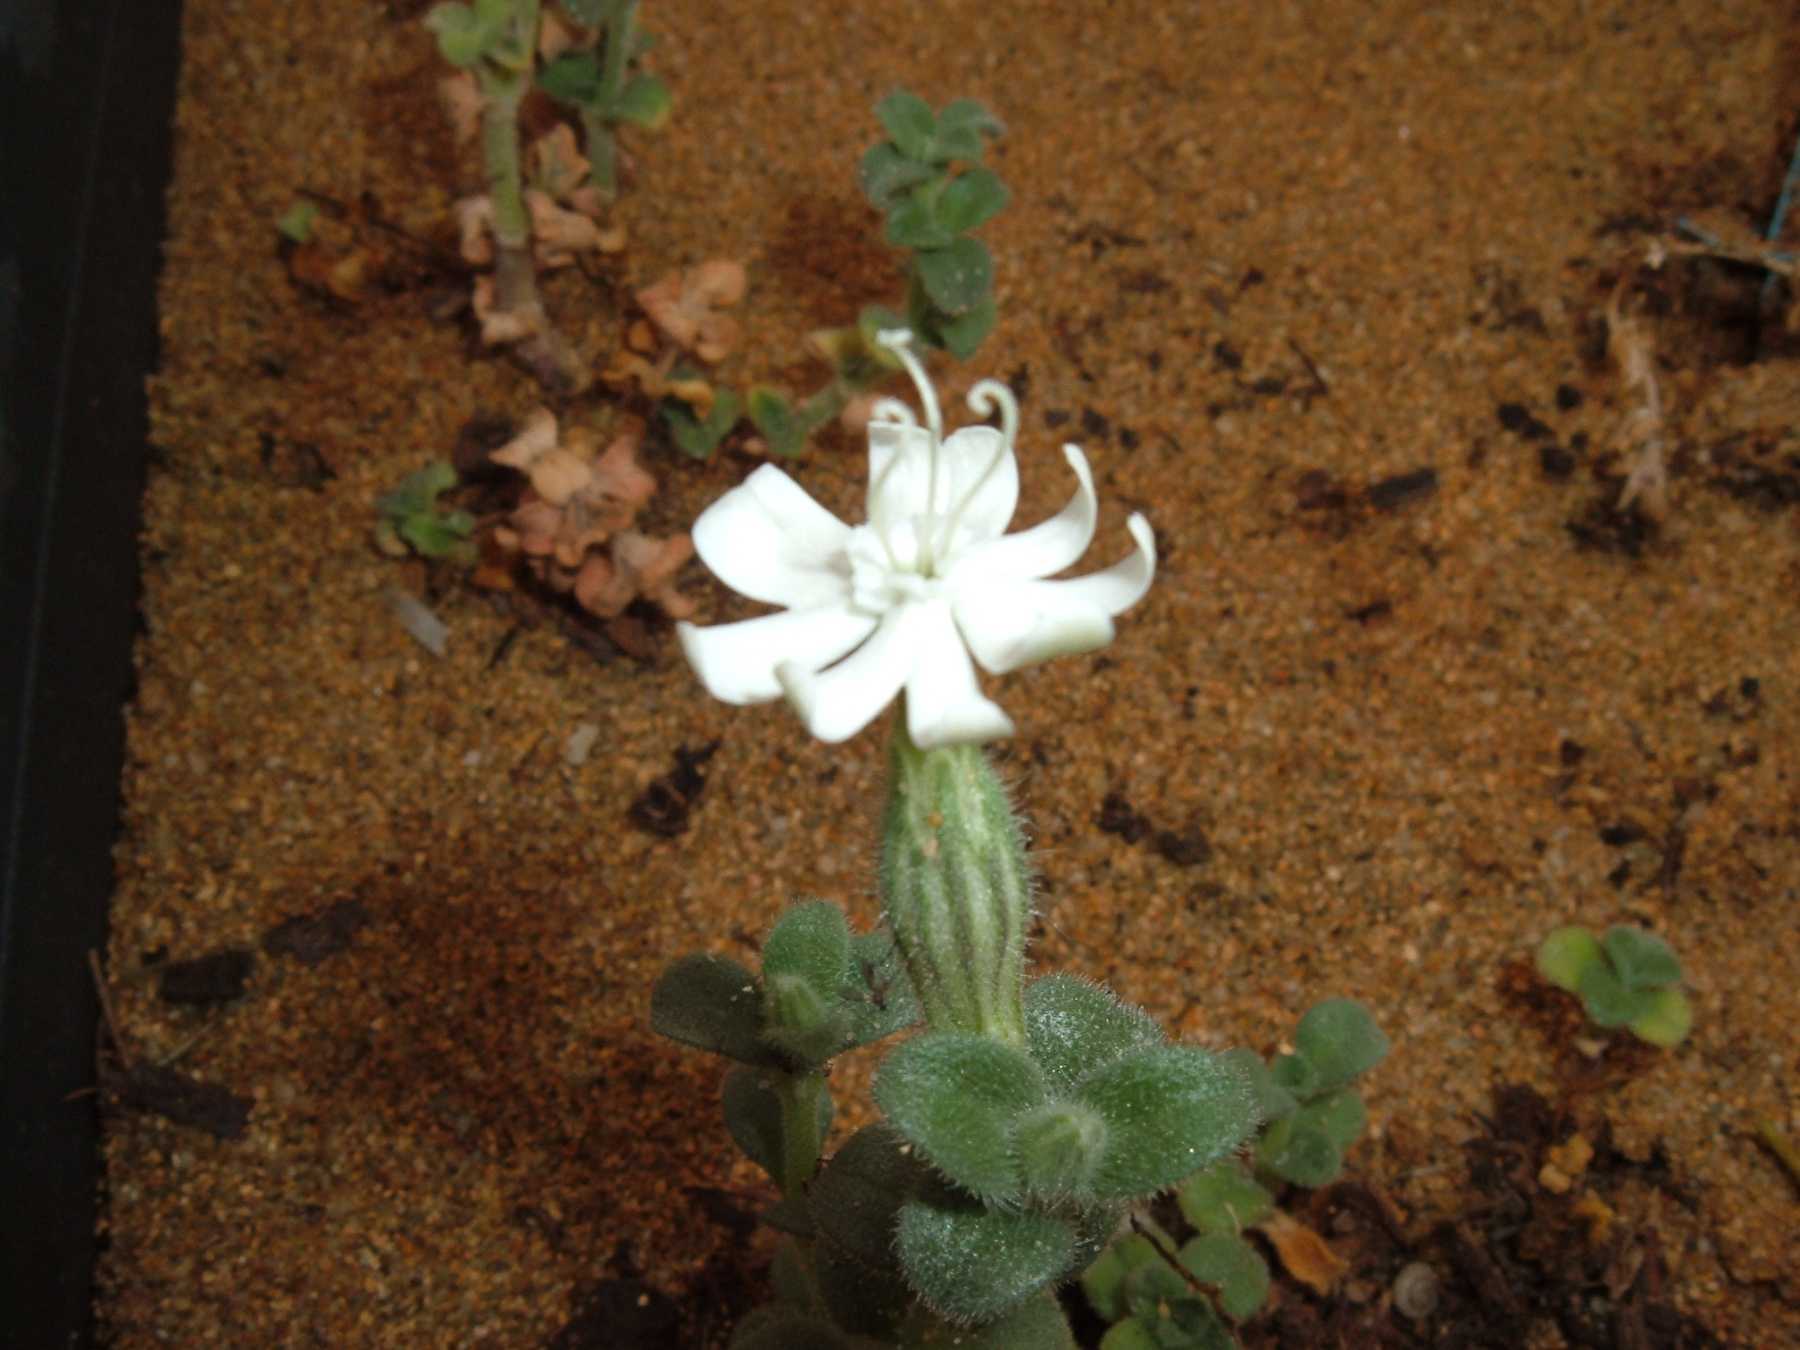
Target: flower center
904 557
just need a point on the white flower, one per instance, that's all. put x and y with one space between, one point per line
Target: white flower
903 601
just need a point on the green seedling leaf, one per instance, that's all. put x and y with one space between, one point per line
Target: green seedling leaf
1341 1039
806 1026
909 123
697 438
956 278
1104 1280
970 200
957 1097
914 222
1233 1267
886 175
435 536
961 335
973 1264
418 492
1668 1021
960 127
1641 960
296 223
644 102
463 35
1273 1101
1177 1317
1074 1027
1169 1111
1300 1152
1060 1148
1341 1116
775 418
1567 954
574 78
712 1003
1297 1076
1224 1198
752 1109
879 994
1608 1002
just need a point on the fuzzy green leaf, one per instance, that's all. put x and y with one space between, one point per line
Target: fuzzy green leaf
1641 960
1130 1334
1566 954
1169 1111
1341 1039
1273 1101
864 1300
713 1003
970 200
908 121
1297 1076
1104 1280
956 1097
957 278
1060 1147
1233 1267
445 536
973 1264
879 994
1036 1324
644 102
1074 1027
1176 1316
1224 1198
811 941
1668 1021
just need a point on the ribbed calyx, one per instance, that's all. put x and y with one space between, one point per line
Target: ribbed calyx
956 887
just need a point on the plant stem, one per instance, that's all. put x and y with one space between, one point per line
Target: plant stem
801 1142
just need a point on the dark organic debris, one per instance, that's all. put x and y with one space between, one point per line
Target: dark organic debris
620 1314
1118 816
310 938
663 807
158 1090
1396 491
217 977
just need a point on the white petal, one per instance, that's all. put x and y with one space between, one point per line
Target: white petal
769 540
841 701
944 704
983 478
1047 547
977 471
736 661
1009 624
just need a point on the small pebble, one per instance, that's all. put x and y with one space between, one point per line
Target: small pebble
580 744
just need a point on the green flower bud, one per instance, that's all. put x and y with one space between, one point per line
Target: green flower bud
956 887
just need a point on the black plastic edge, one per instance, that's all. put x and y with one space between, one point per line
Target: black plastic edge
86 100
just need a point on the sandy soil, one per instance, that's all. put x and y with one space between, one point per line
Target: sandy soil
1368 735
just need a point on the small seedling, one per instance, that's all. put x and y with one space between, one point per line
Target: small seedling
1158 1294
601 82
412 518
1628 978
928 182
